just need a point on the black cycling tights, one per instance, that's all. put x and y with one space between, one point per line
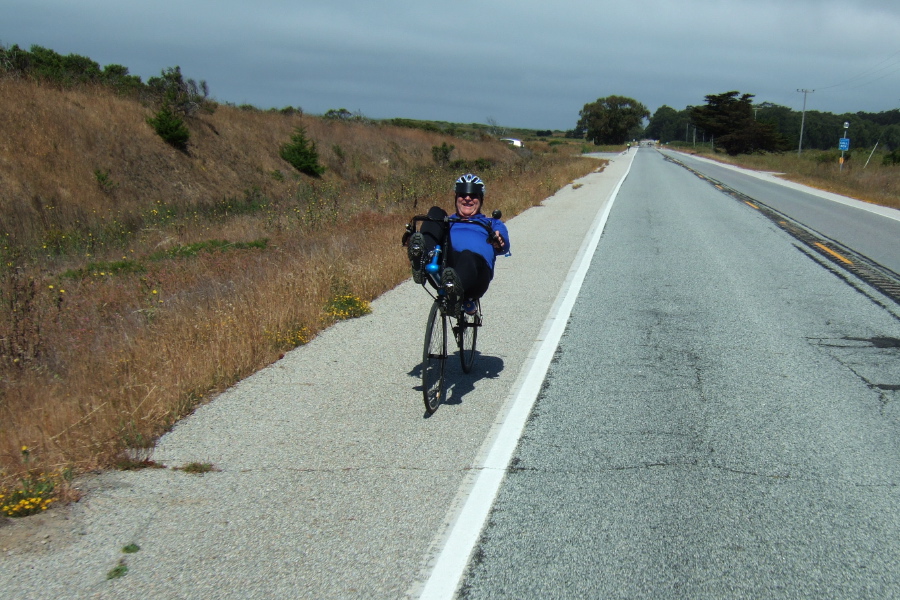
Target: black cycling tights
473 270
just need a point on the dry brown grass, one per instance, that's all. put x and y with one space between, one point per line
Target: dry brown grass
96 357
874 183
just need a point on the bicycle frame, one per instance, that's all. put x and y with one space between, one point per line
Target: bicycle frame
436 266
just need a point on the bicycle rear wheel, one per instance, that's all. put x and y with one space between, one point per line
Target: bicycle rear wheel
466 337
433 358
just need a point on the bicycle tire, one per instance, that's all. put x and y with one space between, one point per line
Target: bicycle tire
466 339
433 358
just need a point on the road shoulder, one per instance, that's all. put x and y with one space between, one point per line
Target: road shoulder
330 482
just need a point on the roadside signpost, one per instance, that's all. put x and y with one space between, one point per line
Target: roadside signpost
844 143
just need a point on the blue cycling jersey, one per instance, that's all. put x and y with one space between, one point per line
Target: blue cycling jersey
469 236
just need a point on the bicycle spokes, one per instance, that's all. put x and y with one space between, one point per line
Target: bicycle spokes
433 359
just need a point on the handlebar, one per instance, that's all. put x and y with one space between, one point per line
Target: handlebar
411 226
448 221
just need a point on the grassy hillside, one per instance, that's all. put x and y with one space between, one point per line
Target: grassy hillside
138 279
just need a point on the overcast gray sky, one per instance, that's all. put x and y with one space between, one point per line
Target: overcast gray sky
520 63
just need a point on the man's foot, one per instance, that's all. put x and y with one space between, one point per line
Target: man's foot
450 281
415 250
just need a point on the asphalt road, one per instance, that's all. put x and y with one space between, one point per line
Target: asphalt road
869 229
720 419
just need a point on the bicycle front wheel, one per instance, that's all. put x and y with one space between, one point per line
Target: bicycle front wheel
466 338
433 358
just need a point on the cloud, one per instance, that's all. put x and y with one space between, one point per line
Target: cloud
523 63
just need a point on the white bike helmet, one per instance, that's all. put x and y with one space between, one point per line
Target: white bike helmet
470 184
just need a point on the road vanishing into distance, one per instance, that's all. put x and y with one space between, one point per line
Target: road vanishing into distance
720 419
687 386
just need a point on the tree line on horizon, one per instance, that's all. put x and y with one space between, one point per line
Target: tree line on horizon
733 122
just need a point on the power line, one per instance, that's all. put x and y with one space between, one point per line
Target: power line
878 67
888 74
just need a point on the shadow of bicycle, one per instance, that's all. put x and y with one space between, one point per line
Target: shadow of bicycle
457 383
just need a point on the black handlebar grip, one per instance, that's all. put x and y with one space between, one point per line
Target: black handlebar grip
497 214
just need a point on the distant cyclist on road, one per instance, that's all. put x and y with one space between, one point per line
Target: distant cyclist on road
471 261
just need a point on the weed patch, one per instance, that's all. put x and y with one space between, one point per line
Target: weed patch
197 468
120 570
290 338
34 494
33 497
104 269
346 306
194 249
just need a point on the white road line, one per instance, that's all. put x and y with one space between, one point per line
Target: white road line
453 558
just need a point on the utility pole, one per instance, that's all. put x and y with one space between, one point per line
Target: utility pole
803 118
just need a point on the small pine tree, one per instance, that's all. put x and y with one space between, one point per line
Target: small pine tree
302 154
170 127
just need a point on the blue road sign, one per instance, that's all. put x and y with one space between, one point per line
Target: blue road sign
844 144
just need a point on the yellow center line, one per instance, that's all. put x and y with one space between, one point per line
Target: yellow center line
833 253
751 204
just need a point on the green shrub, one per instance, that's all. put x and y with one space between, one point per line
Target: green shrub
826 158
170 127
441 154
301 153
103 180
338 114
483 164
893 158
184 97
43 63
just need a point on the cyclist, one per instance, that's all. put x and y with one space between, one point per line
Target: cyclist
471 260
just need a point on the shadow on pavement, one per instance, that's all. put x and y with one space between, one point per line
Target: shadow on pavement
458 384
